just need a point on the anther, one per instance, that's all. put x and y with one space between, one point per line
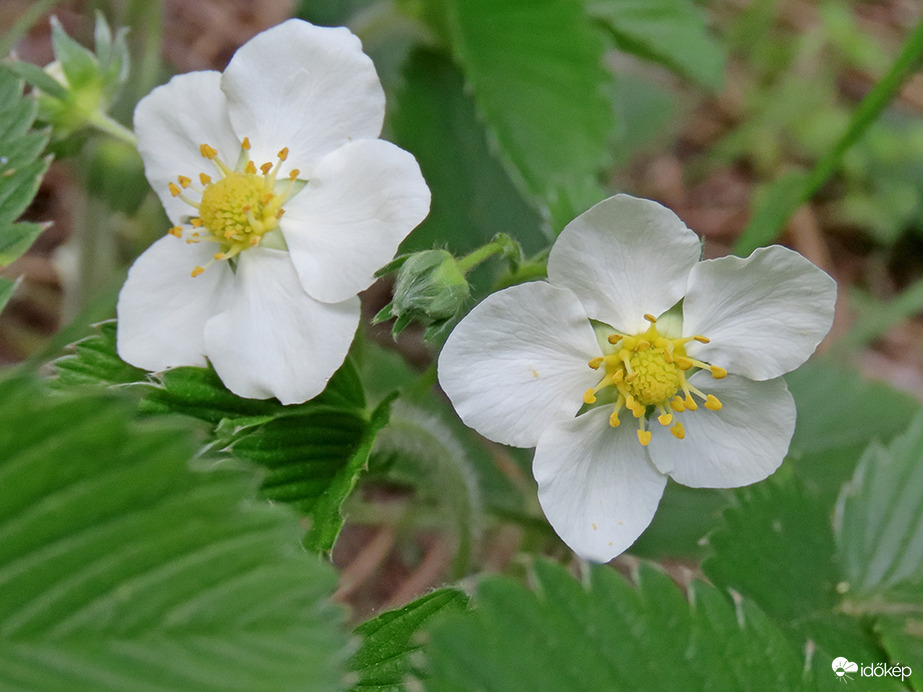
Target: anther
245 144
677 404
196 222
283 154
643 345
197 271
174 189
683 363
208 153
702 339
176 231
679 432
644 437
718 372
589 396
665 419
614 421
690 403
650 318
183 181
250 167
293 174
596 362
712 403
614 338
266 167
204 179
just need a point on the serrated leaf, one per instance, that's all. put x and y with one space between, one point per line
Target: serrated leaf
473 197
609 635
384 660
776 548
20 170
670 32
314 461
879 527
120 568
313 452
536 72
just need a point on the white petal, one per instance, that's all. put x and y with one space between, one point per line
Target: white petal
764 314
172 122
361 201
273 339
742 443
162 309
305 87
518 361
595 484
624 257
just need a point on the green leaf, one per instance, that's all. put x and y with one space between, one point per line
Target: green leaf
385 659
473 197
21 170
879 524
839 413
314 460
788 193
670 32
7 288
313 452
122 569
536 72
609 635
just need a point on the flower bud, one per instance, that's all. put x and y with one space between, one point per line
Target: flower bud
430 289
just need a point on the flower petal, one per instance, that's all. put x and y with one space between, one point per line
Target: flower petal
361 201
764 314
625 257
171 122
304 87
595 484
518 361
162 310
742 443
273 339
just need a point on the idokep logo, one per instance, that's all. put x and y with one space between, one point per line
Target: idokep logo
841 667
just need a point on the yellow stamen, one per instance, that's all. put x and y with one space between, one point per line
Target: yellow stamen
207 152
245 144
183 181
712 403
250 168
174 189
283 154
644 437
679 432
718 372
665 418
589 396
702 339
176 231
266 167
204 179
650 318
596 362
677 404
197 271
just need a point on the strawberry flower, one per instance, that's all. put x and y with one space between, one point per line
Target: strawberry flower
284 203
635 361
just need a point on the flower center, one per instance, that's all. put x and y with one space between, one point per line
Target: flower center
238 210
646 373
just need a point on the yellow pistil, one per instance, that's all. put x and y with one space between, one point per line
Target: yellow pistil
237 209
648 376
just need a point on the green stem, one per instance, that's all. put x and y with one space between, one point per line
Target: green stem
470 261
104 123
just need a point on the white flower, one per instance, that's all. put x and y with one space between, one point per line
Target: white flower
661 331
284 204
